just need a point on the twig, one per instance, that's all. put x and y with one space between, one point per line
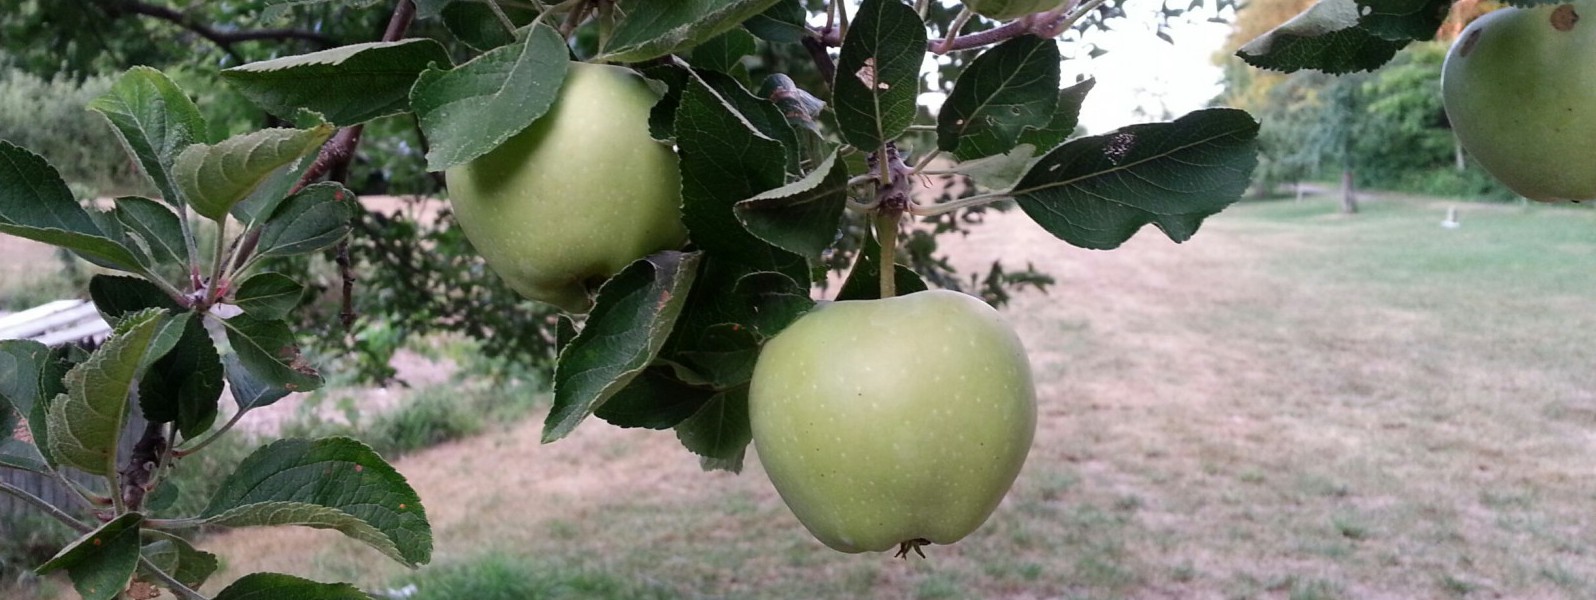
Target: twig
823 63
50 509
171 582
182 452
504 19
224 39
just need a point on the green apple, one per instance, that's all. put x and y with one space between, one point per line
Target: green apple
1521 97
894 422
1004 10
578 195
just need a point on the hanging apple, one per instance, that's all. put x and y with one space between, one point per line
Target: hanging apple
895 422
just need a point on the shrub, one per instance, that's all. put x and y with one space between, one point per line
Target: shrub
501 577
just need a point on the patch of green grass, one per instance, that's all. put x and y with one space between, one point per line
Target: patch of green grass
498 576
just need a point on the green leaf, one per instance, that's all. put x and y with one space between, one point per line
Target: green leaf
427 9
271 193
723 355
52 390
334 483
652 29
723 162
864 281
156 229
214 178
765 116
802 217
1404 19
267 350
725 52
312 220
720 429
86 425
655 399
269 295
35 204
22 362
155 121
101 562
117 297
631 318
773 300
189 565
1065 116
249 390
475 25
184 386
878 73
1095 192
17 454
784 22
276 586
999 171
1326 37
469 110
1007 89
346 85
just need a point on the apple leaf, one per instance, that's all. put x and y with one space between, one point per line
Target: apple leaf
864 281
802 217
878 73
725 161
999 171
20 455
266 349
1007 89
724 53
52 390
87 424
651 29
269 295
631 318
276 586
312 220
720 430
156 228
1327 37
184 386
773 301
475 25
655 399
35 204
174 555
250 390
271 193
333 483
345 85
469 110
1096 192
216 177
117 297
1065 116
784 22
22 362
723 355
101 563
1399 20
155 121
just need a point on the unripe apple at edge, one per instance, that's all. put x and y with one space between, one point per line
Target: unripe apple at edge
895 421
578 195
1521 95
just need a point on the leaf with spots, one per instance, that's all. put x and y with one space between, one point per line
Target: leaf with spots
631 319
333 483
267 350
878 73
101 562
1096 192
1007 89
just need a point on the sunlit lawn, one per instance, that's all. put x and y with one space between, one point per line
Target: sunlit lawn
1295 404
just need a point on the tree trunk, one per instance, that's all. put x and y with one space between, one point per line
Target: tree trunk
1349 196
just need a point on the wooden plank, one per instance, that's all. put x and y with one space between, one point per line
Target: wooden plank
94 329
18 319
70 317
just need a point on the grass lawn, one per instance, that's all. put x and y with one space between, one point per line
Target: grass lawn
1294 404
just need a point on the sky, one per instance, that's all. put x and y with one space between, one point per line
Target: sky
1142 76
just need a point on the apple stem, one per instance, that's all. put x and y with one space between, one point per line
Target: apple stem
887 235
